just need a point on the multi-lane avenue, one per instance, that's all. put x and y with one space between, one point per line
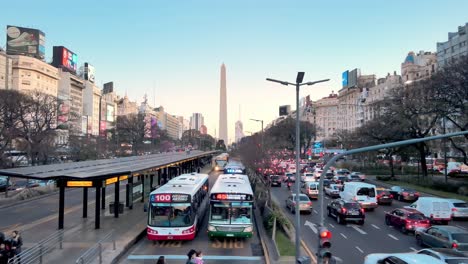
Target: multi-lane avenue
351 242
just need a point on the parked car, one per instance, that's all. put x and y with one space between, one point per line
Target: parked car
275 180
443 237
446 255
436 209
400 258
346 211
333 190
404 194
384 196
23 184
407 220
304 206
311 189
360 174
459 208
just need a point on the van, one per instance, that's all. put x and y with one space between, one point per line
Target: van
436 209
307 177
363 193
310 189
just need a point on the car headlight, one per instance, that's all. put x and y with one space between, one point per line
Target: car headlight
211 228
248 229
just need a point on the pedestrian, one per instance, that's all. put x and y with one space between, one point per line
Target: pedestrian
199 257
4 254
161 260
2 237
16 244
191 256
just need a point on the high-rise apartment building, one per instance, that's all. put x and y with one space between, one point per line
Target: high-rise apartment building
169 122
456 46
30 74
91 102
196 121
223 131
108 109
418 66
70 93
6 71
326 116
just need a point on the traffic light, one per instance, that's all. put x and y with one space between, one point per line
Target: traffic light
324 243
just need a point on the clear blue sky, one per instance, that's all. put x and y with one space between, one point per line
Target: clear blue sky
177 47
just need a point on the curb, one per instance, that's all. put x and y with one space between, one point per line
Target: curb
127 247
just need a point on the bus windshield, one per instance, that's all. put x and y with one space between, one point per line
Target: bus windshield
231 213
221 163
170 215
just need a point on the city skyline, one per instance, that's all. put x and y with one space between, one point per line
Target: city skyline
332 40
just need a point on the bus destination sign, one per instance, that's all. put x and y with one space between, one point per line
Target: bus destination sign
232 196
233 171
170 198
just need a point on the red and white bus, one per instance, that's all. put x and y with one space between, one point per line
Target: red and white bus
177 208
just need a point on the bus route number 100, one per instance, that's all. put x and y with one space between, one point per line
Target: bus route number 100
164 198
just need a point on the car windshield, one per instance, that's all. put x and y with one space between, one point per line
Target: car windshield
461 205
366 191
313 186
302 198
274 177
383 192
460 237
457 261
407 190
352 206
416 217
170 215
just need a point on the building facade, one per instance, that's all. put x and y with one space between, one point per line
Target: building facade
6 71
239 131
326 116
108 109
30 74
70 93
196 121
455 47
418 66
126 107
91 107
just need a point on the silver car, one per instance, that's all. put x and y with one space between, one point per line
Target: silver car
459 208
305 205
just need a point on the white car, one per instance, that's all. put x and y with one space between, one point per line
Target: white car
307 177
400 258
459 208
333 190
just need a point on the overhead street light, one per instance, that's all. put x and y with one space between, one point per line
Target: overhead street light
299 83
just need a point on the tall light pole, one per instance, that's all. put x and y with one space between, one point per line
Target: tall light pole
263 156
299 83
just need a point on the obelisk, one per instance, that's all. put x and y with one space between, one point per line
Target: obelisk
223 132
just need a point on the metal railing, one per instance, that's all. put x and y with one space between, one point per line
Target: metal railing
96 250
36 253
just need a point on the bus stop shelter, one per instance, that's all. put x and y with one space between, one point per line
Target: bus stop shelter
141 173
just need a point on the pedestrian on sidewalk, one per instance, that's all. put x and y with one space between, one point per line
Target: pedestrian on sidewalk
199 257
16 244
191 256
4 254
2 237
161 260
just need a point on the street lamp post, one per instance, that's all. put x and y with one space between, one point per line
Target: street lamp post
299 83
263 156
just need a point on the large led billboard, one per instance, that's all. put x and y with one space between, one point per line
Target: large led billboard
65 59
110 113
353 78
25 41
89 72
344 79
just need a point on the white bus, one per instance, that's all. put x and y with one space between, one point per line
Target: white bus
177 208
231 205
219 162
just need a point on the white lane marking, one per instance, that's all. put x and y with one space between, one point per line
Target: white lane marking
311 225
315 211
327 198
393 237
412 248
332 225
358 229
376 227
343 235
359 249
386 212
337 259
459 226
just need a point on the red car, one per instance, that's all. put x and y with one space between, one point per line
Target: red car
407 219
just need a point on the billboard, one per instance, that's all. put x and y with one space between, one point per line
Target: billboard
89 72
25 41
284 110
110 111
65 58
63 113
108 87
353 78
344 79
102 128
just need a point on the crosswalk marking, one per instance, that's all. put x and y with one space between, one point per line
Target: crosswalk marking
393 237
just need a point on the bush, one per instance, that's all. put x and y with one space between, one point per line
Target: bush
463 190
383 177
281 220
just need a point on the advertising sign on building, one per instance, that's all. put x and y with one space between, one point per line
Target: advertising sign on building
65 59
102 128
89 72
25 41
110 112
284 110
108 88
63 113
344 79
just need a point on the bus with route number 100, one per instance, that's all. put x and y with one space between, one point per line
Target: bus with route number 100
231 207
177 208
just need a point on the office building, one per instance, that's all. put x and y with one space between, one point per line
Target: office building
455 47
196 121
91 102
30 75
6 71
418 66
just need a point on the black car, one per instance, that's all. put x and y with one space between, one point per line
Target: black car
329 175
326 183
346 211
404 194
3 184
275 180
384 196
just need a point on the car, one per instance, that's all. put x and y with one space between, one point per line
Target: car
438 236
307 177
459 208
360 174
288 176
361 192
326 183
23 184
305 205
436 209
400 258
329 175
346 211
404 194
333 190
318 173
407 220
384 196
275 180
311 189
351 177
446 255
340 179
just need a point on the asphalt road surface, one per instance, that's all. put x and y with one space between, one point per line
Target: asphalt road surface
222 250
351 242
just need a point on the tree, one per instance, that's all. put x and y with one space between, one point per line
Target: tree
132 129
283 134
10 104
220 145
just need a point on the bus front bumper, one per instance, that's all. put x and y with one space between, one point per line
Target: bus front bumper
229 234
